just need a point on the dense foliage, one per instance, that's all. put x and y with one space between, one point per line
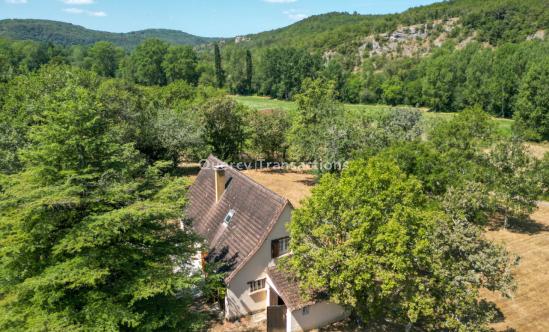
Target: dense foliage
89 229
398 235
68 34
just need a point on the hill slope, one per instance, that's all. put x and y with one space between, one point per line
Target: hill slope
69 34
489 21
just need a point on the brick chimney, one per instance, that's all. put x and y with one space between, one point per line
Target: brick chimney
219 181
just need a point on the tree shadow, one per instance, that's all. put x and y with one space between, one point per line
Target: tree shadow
221 260
309 182
524 225
528 226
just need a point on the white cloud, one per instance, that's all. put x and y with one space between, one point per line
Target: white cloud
78 2
16 2
97 14
73 10
295 15
79 11
280 1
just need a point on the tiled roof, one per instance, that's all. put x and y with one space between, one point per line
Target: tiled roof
256 211
288 288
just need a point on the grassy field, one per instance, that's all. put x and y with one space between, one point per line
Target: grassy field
260 103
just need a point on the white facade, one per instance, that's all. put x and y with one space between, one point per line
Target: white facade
315 316
239 301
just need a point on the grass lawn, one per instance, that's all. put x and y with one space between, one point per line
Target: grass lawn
261 103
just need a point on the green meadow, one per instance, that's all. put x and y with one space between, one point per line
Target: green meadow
504 126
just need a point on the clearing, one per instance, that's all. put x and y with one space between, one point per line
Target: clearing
261 103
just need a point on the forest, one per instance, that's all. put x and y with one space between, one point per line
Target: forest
93 196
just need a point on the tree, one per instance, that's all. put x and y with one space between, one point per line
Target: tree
268 129
23 102
181 63
319 132
224 127
89 232
104 58
236 70
464 132
439 83
392 91
516 183
147 62
372 241
283 70
219 72
532 113
249 71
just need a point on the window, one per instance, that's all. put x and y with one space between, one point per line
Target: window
256 285
305 311
280 247
229 217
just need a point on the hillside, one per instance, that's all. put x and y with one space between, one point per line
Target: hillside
69 34
492 22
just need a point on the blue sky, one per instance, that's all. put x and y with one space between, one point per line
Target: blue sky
221 18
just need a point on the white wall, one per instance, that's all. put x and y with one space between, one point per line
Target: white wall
320 314
239 301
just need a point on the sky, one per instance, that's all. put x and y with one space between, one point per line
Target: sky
208 18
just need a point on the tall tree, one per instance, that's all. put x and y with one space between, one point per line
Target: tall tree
89 232
147 61
318 133
104 58
532 114
219 73
181 63
249 71
283 71
224 127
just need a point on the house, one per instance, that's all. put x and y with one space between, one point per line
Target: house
244 223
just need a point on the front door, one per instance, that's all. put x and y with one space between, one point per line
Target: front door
276 318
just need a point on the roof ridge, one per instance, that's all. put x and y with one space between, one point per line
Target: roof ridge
247 178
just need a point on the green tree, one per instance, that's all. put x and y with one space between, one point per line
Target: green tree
147 61
283 70
372 241
516 183
249 72
464 132
392 91
104 58
268 129
532 115
319 131
439 83
236 70
219 72
180 63
89 232
224 127
24 100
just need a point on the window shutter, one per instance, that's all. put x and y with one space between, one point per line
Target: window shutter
275 249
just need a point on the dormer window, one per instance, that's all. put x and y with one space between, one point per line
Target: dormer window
229 217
